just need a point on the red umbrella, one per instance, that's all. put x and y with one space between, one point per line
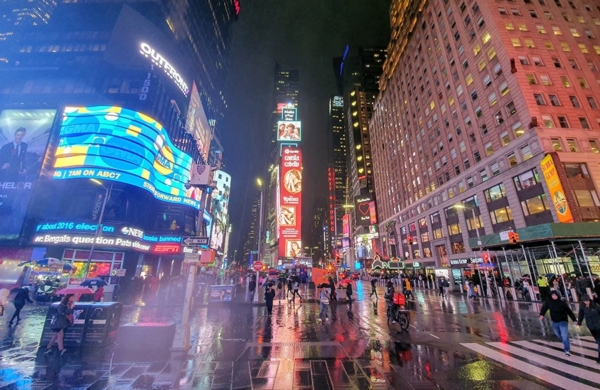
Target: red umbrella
78 291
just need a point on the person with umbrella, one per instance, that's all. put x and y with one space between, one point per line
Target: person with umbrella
296 286
19 302
269 296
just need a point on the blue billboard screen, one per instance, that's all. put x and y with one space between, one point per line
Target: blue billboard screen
118 144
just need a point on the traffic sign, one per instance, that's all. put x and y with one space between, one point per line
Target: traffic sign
257 265
193 240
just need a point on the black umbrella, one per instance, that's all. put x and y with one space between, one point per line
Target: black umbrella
94 282
323 285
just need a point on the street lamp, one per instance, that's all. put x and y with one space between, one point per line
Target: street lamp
98 225
260 227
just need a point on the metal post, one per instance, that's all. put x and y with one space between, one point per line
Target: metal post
480 247
561 276
577 259
260 227
108 190
586 262
187 303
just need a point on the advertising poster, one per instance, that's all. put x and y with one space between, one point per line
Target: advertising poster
23 140
290 208
289 131
219 205
197 124
557 193
221 293
346 225
118 144
362 210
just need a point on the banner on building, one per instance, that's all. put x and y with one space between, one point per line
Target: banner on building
290 208
557 193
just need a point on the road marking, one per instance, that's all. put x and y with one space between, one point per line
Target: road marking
582 351
432 335
413 326
553 352
530 369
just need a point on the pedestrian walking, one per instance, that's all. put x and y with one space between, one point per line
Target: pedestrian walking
374 288
440 287
289 288
407 289
296 286
60 322
560 313
269 296
332 293
471 285
251 288
19 302
324 305
542 283
279 289
590 311
446 287
349 291
4 293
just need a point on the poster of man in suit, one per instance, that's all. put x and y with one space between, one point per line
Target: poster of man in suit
24 137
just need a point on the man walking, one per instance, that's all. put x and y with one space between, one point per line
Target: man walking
251 288
349 291
560 313
20 299
269 296
374 288
296 286
324 305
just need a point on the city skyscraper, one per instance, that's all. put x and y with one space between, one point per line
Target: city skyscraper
340 159
492 106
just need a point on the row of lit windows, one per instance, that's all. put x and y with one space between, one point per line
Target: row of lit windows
71 47
542 30
529 43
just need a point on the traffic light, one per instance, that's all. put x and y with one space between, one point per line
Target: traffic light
513 238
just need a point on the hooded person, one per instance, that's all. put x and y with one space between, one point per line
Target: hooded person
590 312
560 312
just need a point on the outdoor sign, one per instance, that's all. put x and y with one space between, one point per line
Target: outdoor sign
23 139
362 210
221 293
126 146
289 131
201 175
557 193
331 219
346 225
197 123
290 201
193 240
219 205
161 63
289 114
257 265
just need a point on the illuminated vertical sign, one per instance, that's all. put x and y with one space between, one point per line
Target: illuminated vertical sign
331 200
372 213
557 193
290 203
346 225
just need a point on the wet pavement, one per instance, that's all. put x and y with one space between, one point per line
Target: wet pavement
452 343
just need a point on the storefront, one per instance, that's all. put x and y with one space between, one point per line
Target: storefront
12 271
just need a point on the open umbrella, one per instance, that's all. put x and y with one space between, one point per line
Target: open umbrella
51 262
75 290
96 282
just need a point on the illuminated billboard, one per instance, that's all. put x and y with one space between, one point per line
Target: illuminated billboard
364 210
23 138
289 219
289 131
219 205
197 124
126 146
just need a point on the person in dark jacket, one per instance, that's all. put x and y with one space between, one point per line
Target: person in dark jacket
19 301
590 311
560 312
269 296
349 291
374 288
61 322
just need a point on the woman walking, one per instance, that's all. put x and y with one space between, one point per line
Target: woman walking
590 311
269 296
324 305
64 314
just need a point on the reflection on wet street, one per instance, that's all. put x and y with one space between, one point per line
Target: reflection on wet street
452 343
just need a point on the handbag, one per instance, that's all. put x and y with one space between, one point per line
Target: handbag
70 319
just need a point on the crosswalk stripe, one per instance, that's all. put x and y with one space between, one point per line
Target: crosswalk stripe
530 369
582 351
555 354
588 338
585 343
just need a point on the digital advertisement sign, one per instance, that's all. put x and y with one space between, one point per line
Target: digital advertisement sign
197 123
126 146
289 131
290 203
219 206
23 140
362 210
557 193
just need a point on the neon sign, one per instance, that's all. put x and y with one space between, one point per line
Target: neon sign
158 60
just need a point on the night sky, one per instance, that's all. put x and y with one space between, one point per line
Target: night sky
300 34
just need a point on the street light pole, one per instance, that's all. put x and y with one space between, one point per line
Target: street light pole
260 227
107 193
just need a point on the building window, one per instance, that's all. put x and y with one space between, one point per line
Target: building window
495 168
489 149
576 170
574 101
565 47
495 193
565 81
498 118
501 215
556 62
526 179
509 26
477 157
573 63
491 53
592 102
512 159
539 99
541 29
537 61
584 123
510 108
531 79
526 152
582 82
497 70
556 30
583 48
483 175
556 144
492 99
545 79
534 205
504 138
563 122
549 46
554 100
594 145
572 143
516 42
548 122
518 129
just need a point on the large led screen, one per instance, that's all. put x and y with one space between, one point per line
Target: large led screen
118 144
289 218
23 138
363 210
219 206
289 131
197 123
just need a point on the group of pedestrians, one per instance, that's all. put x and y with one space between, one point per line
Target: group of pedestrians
560 312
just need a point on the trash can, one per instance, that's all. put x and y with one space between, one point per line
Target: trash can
95 324
102 323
